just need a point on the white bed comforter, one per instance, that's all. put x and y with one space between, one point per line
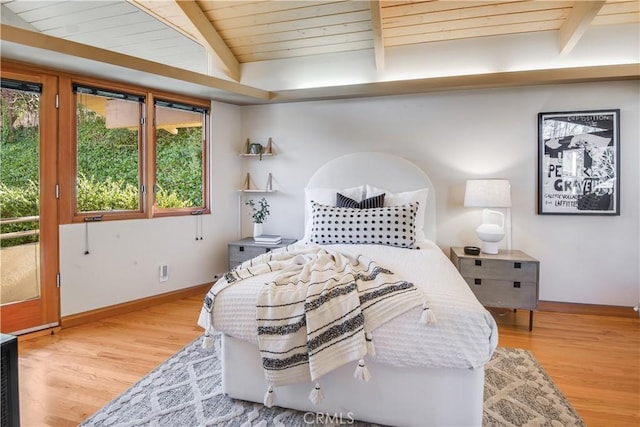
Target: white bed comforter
464 336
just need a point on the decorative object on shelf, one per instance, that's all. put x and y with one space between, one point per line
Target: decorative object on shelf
489 193
256 149
578 163
247 185
258 214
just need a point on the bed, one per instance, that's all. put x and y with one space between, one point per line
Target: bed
422 372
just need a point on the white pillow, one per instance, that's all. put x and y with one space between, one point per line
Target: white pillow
397 199
326 196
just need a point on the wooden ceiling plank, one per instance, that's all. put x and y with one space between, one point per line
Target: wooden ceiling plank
577 23
626 18
320 21
466 33
476 12
336 39
289 15
312 50
620 7
352 27
378 37
421 8
315 50
232 9
480 22
210 39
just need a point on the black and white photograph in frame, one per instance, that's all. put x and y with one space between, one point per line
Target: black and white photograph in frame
578 163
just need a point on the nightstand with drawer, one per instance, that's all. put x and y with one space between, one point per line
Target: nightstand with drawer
247 248
508 279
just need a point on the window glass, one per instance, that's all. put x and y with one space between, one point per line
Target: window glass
180 171
20 190
109 135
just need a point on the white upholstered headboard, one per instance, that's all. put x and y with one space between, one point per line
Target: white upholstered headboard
382 170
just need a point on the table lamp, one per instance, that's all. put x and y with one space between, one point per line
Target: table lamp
489 193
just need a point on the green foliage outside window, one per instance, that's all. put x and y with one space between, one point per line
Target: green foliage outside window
107 170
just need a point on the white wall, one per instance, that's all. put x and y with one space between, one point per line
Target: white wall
600 45
125 256
454 136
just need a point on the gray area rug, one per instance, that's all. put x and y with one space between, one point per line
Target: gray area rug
186 390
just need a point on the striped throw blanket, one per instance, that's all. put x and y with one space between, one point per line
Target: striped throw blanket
317 313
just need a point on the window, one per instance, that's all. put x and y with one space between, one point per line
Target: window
109 146
128 152
180 148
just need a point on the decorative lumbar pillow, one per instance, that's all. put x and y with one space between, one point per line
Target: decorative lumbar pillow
393 225
343 201
392 199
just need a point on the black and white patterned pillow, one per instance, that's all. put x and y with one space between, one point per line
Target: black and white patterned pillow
343 201
392 225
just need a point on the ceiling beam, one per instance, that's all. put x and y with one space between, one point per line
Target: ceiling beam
79 50
208 36
378 39
578 21
464 82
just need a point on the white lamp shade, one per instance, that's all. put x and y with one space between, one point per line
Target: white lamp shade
487 193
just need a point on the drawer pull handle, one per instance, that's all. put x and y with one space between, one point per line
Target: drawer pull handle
477 281
241 248
517 265
516 284
479 262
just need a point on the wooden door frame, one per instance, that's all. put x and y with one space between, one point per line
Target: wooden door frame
44 311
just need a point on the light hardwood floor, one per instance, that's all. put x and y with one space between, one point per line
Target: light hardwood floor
65 377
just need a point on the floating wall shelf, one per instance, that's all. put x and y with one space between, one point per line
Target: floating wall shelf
265 151
247 185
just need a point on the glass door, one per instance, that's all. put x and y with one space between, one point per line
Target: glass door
29 297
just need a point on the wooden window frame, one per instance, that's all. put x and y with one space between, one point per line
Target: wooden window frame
142 141
147 153
155 211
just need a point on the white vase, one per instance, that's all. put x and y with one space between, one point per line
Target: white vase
257 229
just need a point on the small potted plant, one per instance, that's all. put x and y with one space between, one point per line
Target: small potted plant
259 213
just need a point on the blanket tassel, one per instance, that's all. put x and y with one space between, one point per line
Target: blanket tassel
371 350
269 397
362 373
207 341
428 317
316 397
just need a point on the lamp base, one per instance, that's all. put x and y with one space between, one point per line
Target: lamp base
490 248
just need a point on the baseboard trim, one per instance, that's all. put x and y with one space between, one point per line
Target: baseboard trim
129 306
37 334
575 308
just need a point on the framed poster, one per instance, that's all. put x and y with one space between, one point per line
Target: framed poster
578 163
